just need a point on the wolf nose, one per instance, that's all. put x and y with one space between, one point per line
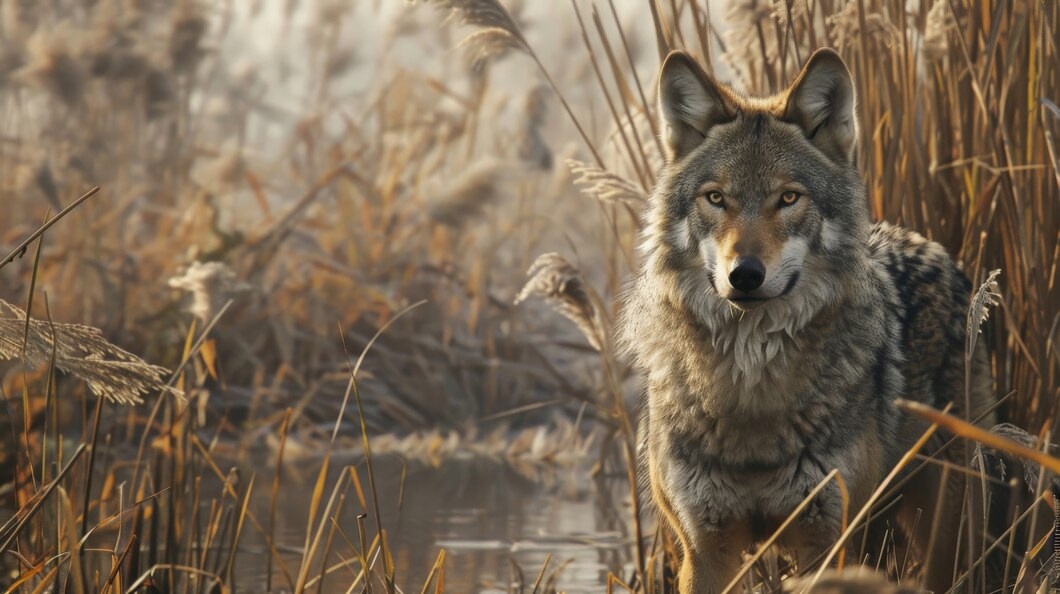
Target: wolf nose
748 274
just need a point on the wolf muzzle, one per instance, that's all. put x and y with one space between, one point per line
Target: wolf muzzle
748 274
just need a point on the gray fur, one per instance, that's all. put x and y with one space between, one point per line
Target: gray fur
748 410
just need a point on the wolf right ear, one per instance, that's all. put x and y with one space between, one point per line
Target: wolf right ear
821 102
690 103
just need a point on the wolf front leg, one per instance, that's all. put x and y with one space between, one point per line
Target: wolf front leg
711 561
814 535
812 544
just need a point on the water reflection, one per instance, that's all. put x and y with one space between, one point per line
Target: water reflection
496 524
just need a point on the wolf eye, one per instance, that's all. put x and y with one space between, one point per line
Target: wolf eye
714 198
790 197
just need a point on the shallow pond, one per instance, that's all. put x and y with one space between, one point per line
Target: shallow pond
493 522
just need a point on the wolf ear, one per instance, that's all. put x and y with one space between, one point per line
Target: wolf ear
690 103
821 102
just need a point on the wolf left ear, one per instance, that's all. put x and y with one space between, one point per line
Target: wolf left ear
821 102
690 103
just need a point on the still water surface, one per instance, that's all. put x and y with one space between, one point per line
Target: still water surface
492 521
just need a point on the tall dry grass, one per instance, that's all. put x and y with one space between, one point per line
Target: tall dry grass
254 243
407 193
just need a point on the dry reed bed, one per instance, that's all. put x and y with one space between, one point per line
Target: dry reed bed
431 188
359 211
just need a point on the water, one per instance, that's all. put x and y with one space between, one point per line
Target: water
488 517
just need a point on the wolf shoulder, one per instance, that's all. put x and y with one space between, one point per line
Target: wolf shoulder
925 277
932 296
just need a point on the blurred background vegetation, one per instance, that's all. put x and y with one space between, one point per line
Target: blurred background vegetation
298 173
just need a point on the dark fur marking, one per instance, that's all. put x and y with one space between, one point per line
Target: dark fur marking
878 371
791 284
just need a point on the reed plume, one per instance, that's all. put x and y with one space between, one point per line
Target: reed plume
985 297
605 186
561 285
81 351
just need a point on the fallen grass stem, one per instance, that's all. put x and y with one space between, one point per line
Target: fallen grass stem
21 248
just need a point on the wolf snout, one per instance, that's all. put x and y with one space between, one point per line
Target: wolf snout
748 274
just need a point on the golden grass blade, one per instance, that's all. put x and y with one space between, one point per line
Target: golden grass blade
968 431
111 521
867 507
363 553
439 586
436 570
333 528
70 544
32 289
645 106
91 465
27 575
47 584
662 33
312 536
621 130
358 575
230 491
1043 500
21 248
278 476
355 479
148 575
388 566
541 575
1048 106
844 494
113 583
238 532
12 529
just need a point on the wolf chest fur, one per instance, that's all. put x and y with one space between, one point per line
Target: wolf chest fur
776 324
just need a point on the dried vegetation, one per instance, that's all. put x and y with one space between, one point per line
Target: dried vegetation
260 221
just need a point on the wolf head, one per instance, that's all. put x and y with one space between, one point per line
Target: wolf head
760 203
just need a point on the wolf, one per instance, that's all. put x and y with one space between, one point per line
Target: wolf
776 324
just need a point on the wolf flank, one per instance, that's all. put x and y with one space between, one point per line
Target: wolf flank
776 324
